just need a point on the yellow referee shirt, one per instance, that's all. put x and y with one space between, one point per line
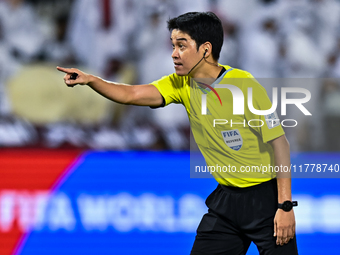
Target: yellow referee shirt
234 146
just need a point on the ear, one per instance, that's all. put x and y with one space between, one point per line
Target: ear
206 49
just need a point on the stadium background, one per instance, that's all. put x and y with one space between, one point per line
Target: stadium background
81 175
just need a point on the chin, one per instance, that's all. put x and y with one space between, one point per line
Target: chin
181 73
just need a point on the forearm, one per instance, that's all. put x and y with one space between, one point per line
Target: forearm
284 189
117 92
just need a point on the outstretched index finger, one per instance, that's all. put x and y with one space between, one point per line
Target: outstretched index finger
65 70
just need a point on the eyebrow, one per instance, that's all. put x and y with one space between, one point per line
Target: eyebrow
180 39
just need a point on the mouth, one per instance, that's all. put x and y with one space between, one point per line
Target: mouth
177 64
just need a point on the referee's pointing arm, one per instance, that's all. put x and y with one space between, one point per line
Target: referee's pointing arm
145 95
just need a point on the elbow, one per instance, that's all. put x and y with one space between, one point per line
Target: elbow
285 142
130 97
280 142
128 101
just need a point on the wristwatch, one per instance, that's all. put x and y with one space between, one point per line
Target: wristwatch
287 205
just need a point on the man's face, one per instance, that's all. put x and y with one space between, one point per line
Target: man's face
184 55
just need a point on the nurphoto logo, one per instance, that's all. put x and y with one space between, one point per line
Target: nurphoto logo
238 100
271 117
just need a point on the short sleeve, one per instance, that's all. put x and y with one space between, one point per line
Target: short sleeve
267 126
169 87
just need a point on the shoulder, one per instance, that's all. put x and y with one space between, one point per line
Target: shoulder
236 73
172 80
243 79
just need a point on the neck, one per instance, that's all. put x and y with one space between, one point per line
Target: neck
207 70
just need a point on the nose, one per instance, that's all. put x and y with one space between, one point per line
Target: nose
175 54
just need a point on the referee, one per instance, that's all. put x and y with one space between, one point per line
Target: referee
247 206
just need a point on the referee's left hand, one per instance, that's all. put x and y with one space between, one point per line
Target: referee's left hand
284 226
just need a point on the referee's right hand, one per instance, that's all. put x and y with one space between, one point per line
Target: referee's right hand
82 78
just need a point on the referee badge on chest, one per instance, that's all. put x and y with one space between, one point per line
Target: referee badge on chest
233 139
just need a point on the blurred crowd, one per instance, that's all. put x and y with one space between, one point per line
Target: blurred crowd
282 43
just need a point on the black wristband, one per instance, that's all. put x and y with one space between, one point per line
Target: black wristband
287 205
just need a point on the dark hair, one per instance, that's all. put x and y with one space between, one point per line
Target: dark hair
201 27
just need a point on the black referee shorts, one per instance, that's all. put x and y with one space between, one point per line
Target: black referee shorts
237 216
